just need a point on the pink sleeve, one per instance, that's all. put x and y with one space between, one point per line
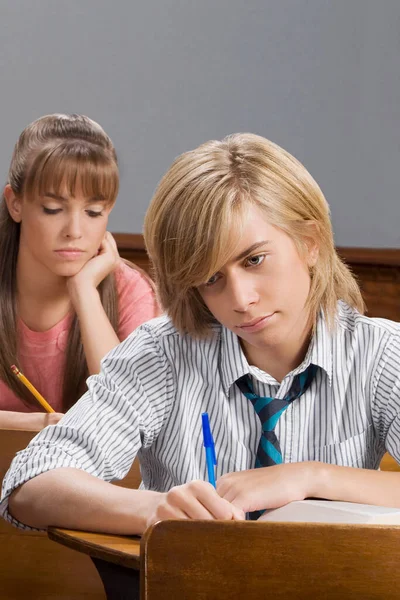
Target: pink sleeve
136 300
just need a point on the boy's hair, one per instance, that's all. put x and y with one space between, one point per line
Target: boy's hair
52 152
195 219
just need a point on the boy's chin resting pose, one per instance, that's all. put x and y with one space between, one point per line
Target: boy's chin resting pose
264 331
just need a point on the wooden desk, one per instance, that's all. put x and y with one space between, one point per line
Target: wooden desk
33 561
116 557
118 549
224 560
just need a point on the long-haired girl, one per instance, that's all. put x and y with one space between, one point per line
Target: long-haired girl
66 297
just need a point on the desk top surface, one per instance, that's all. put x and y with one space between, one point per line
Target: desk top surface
119 549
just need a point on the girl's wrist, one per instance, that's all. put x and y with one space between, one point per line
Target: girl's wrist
82 293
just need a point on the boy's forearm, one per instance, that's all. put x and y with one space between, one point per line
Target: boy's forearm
354 485
74 499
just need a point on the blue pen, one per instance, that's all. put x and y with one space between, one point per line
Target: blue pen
211 459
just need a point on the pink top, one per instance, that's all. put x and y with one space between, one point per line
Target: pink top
42 353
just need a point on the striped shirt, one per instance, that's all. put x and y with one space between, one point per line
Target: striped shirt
153 387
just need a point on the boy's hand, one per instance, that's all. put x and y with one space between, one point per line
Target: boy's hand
268 487
194 500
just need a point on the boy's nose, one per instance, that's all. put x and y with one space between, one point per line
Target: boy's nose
243 296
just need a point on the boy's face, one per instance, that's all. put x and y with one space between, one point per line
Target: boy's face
261 294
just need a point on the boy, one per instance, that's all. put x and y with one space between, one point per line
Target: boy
263 330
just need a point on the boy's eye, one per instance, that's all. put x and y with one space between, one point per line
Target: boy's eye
213 279
93 213
51 211
254 261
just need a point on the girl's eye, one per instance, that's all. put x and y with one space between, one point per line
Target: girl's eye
93 213
51 211
254 261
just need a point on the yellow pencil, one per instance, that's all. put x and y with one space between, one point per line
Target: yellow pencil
32 389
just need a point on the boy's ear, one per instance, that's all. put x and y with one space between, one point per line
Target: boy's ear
312 243
14 204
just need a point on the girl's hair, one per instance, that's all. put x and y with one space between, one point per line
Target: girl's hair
195 220
54 151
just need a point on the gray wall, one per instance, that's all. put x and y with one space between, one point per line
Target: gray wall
319 77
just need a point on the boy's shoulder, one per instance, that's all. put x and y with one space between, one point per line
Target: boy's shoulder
350 319
162 328
159 338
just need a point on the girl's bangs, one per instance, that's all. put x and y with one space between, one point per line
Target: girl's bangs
62 170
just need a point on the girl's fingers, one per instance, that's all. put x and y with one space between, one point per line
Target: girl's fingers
108 246
110 238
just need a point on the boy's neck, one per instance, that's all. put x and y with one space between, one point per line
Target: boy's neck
281 359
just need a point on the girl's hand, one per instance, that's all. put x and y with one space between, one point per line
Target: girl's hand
98 267
269 487
52 418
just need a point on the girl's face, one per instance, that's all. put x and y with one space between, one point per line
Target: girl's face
60 232
261 294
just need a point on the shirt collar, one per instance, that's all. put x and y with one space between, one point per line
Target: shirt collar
233 362
319 352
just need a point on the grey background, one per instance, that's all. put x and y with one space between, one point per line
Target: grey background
319 77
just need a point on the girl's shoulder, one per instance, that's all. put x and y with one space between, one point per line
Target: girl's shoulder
127 271
136 297
131 278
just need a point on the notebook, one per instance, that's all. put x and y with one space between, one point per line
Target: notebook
325 511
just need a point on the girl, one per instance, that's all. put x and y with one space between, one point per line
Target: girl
264 331
66 297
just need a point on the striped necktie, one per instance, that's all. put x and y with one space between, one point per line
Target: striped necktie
269 410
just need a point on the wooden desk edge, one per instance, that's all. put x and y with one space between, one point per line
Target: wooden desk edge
129 551
17 429
78 540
